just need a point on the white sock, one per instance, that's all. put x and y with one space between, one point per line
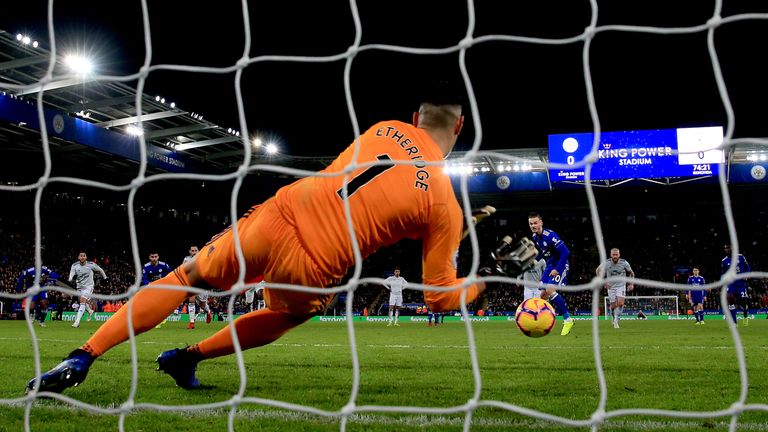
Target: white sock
619 310
191 308
80 312
390 315
397 314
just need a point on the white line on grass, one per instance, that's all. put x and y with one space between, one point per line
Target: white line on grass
440 420
430 346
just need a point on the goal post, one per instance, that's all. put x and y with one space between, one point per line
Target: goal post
649 305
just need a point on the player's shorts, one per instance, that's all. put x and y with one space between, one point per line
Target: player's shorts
559 280
249 293
271 248
697 297
738 292
742 298
86 292
529 293
42 295
614 293
395 300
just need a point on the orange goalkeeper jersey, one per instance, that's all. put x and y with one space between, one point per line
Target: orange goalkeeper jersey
388 203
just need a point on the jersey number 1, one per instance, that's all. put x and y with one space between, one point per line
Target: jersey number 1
365 177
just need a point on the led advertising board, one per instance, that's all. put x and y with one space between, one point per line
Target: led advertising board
682 152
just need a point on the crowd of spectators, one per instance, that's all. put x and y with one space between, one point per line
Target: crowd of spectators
659 246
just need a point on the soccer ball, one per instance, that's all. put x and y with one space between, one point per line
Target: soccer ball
535 317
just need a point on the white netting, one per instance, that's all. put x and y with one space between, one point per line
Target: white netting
648 305
461 47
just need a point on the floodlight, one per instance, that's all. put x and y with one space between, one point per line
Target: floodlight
78 64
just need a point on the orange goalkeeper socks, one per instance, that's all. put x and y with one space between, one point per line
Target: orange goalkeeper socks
254 329
150 307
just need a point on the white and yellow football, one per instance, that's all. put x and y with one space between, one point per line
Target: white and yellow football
535 317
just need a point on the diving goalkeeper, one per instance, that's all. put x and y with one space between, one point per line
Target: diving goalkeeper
300 236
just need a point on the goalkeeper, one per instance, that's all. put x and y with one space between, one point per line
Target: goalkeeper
301 237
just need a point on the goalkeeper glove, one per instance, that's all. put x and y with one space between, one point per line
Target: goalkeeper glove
494 269
477 216
510 259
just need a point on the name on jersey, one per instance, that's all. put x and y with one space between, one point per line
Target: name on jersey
412 151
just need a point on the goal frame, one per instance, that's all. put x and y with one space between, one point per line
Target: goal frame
606 303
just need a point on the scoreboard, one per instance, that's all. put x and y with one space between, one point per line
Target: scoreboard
682 152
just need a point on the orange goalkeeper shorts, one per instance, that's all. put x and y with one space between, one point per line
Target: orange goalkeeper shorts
271 248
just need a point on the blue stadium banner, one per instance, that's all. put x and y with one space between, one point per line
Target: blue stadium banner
61 125
748 173
659 153
506 182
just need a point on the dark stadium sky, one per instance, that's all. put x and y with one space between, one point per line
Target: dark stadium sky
524 91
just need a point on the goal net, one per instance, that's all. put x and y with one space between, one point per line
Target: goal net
505 29
646 306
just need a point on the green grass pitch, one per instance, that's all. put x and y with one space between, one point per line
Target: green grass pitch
672 365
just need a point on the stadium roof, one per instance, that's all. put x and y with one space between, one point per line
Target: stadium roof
113 106
108 105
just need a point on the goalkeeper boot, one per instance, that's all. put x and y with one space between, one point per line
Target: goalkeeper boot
181 366
161 323
69 373
568 325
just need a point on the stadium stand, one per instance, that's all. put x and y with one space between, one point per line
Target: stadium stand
656 239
